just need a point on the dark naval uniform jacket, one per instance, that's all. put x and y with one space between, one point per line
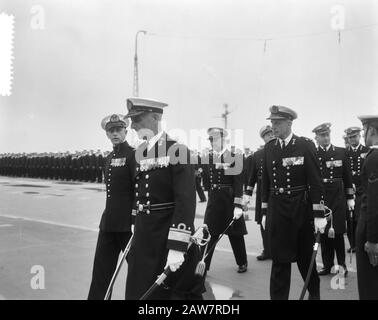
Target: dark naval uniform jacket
119 176
292 191
355 161
164 208
255 179
367 227
224 183
337 180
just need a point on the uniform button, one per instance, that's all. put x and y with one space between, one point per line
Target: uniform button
147 194
138 178
108 185
136 193
274 168
148 211
281 190
146 185
137 202
289 192
274 174
274 180
288 185
108 190
136 185
148 202
108 196
288 180
288 174
137 169
140 207
147 176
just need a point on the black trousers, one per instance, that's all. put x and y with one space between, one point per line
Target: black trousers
109 246
329 247
99 175
280 277
199 189
367 275
266 241
351 227
238 247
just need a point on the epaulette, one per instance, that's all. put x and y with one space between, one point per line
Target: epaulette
307 139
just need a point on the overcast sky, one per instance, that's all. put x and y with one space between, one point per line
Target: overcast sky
196 56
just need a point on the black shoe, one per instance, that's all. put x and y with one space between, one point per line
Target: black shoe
345 270
243 268
351 249
324 271
313 297
263 256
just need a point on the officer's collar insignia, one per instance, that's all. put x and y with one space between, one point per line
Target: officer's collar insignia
293 141
154 163
114 118
118 162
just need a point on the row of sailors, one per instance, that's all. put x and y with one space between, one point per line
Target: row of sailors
78 166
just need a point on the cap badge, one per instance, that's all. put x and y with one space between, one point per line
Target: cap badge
114 118
275 109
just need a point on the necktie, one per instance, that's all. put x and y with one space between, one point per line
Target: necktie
283 145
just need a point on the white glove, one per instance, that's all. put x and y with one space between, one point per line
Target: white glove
175 259
238 212
246 200
350 204
320 224
263 221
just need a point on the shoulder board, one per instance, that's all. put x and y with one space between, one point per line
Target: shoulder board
306 139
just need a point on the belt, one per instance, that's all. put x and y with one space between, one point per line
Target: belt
332 180
278 191
221 185
147 208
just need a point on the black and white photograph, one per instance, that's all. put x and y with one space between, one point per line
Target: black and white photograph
189 150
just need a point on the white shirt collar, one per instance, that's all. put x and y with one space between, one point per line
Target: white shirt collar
287 140
356 148
153 140
325 148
